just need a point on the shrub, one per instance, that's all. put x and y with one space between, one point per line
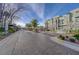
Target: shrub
76 36
67 37
72 40
48 30
11 30
1 29
62 37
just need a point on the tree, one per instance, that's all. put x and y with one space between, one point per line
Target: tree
12 14
4 16
41 28
8 13
28 26
34 23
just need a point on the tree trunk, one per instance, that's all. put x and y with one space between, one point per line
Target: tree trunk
6 25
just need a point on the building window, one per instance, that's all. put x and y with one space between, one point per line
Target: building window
62 21
77 19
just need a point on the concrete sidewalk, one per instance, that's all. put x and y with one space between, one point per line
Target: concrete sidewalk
66 43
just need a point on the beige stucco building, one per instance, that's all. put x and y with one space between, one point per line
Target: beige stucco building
75 19
49 24
65 23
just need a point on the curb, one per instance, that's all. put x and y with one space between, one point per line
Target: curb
66 43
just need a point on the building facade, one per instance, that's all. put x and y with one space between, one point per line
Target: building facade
55 23
46 25
65 23
49 24
75 19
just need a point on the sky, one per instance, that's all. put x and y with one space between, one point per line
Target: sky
43 11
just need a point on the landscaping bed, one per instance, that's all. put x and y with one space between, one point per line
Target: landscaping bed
3 34
74 38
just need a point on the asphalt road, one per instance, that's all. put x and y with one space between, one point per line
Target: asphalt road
29 43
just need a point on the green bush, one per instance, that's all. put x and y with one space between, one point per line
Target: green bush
61 37
76 36
1 29
11 30
48 30
72 40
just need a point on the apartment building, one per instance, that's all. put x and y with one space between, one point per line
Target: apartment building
75 19
69 21
55 23
46 25
49 24
65 23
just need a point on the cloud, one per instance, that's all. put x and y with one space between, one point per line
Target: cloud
20 23
38 9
